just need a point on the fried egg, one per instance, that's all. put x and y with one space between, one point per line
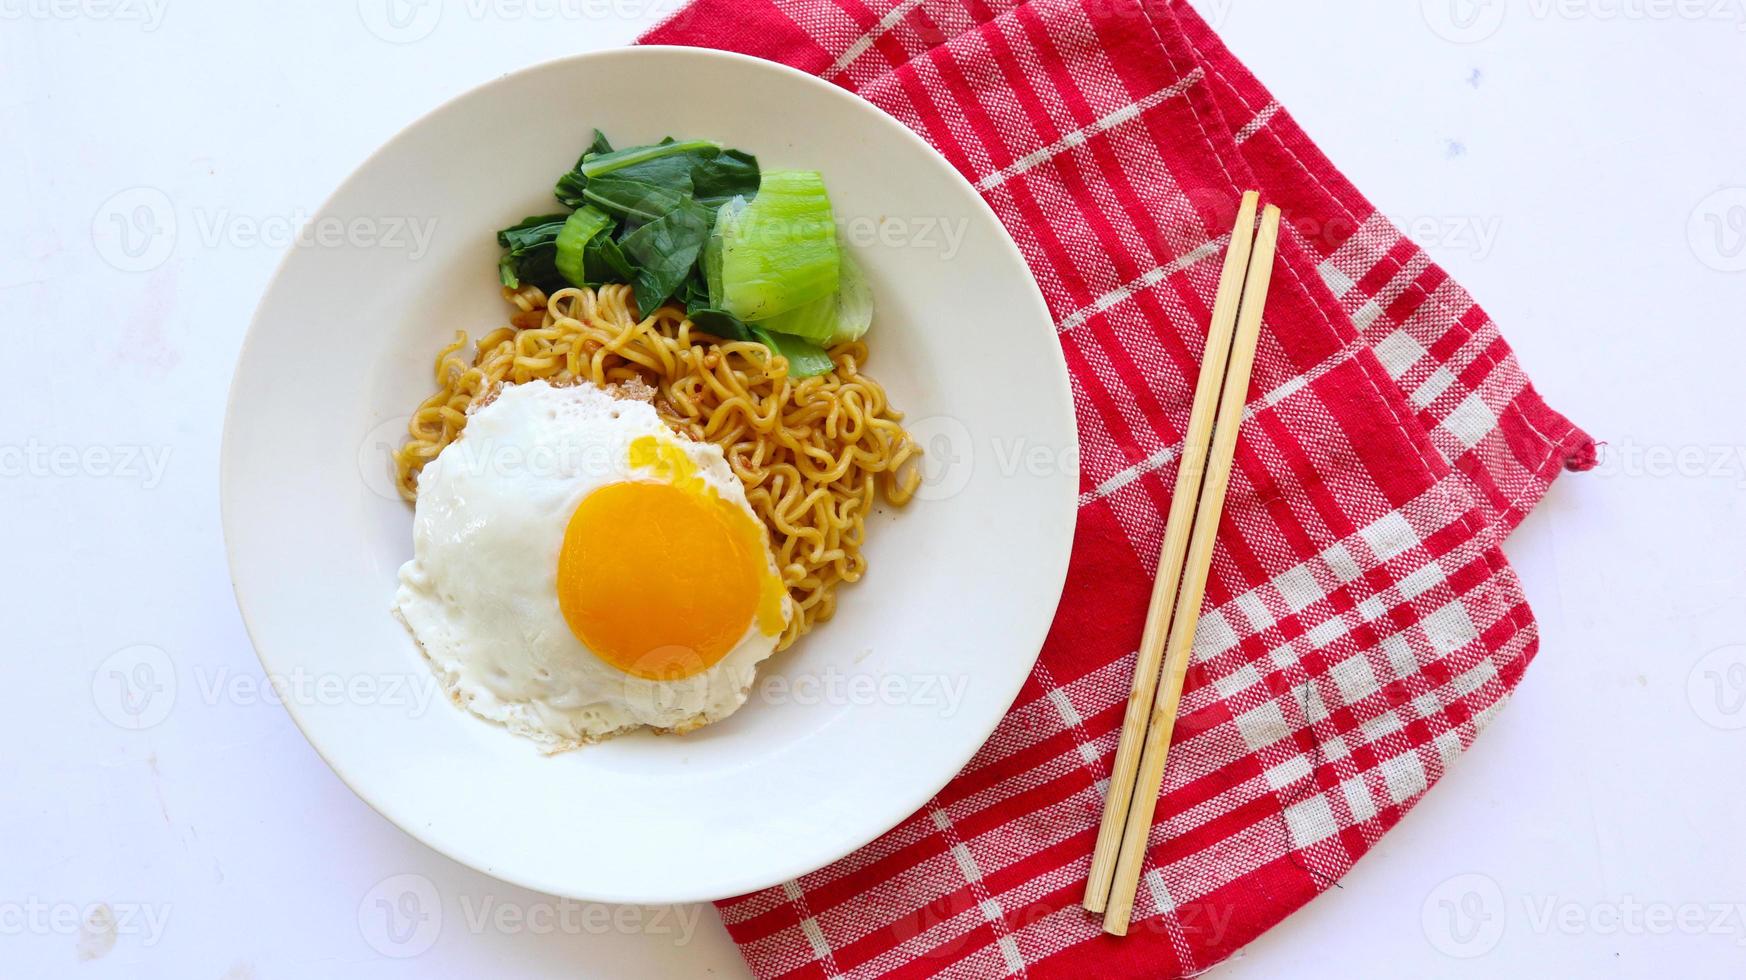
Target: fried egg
580 570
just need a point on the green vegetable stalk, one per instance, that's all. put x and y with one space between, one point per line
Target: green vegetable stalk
749 255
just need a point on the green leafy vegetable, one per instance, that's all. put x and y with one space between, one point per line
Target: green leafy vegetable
706 173
836 319
571 185
593 167
579 229
727 217
633 200
805 358
719 324
528 232
531 243
671 174
696 224
718 179
779 251
603 262
538 267
571 188
693 293
664 251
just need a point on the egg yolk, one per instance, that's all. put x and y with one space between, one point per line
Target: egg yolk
662 578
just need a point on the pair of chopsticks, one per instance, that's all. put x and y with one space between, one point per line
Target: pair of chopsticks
1174 612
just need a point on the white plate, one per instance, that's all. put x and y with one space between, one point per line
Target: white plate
871 714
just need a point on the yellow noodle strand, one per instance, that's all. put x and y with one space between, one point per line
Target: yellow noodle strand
814 454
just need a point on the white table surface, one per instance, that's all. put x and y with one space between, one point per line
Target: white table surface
1581 166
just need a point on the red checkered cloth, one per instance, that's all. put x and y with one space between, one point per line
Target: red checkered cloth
1361 624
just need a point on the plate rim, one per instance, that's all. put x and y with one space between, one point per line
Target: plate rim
777 873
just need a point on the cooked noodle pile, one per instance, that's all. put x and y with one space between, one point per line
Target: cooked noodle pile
814 454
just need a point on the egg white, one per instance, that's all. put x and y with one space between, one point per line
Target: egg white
480 594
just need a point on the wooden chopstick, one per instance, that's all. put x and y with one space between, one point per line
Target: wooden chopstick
1176 530
1232 401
